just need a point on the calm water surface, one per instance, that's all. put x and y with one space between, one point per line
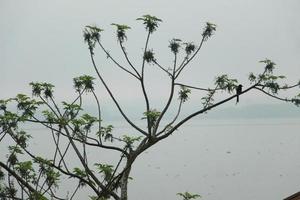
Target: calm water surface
218 159
223 160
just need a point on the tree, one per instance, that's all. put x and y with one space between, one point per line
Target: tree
188 196
28 175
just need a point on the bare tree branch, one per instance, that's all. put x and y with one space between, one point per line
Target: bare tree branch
273 96
121 67
179 70
113 98
196 88
127 59
162 68
143 84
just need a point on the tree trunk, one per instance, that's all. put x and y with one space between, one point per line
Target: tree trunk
124 183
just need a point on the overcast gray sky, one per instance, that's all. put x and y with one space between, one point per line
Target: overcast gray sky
42 41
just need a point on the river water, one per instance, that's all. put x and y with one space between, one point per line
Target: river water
249 159
223 160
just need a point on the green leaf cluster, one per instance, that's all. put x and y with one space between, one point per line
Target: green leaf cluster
175 45
49 116
46 170
83 125
189 48
21 138
252 78
269 65
269 81
184 93
42 88
150 22
8 120
8 191
79 172
209 30
27 105
3 104
84 82
26 170
149 56
152 115
121 31
37 196
106 170
89 121
98 198
91 35
188 196
106 132
13 154
130 140
71 110
225 83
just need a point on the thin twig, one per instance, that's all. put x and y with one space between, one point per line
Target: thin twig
170 124
162 68
271 95
109 56
129 62
196 88
113 98
190 59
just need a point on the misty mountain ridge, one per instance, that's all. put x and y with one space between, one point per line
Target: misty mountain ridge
255 111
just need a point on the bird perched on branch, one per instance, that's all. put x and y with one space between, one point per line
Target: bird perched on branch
238 92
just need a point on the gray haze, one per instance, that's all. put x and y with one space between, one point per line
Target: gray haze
42 41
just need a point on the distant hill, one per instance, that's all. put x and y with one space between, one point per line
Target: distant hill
231 112
257 111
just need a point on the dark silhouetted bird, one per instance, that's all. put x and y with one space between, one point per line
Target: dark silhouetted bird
238 92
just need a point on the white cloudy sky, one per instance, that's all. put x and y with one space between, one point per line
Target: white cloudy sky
42 41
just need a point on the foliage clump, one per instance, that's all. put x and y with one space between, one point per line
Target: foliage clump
151 22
